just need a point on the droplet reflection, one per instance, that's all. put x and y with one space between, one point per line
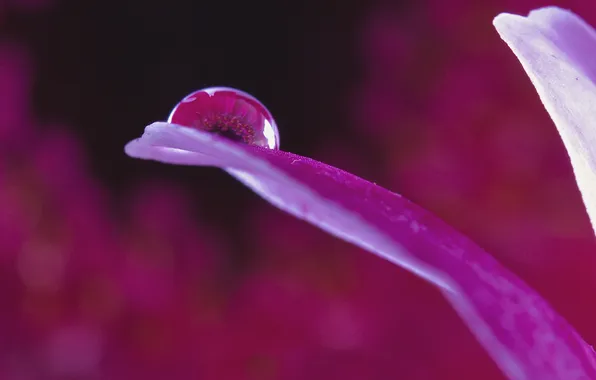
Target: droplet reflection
230 113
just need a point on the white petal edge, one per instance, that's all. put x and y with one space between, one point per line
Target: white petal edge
567 93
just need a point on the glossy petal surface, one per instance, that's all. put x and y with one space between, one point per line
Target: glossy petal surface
525 337
557 49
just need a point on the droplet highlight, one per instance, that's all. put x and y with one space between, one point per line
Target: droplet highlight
230 113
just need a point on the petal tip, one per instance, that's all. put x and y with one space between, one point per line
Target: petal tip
131 148
505 20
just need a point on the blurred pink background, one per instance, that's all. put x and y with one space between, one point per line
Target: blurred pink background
112 268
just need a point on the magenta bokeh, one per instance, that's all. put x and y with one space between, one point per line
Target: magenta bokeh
141 292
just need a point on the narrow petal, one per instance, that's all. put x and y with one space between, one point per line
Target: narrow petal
525 337
557 49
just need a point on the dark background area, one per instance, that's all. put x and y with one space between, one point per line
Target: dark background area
110 68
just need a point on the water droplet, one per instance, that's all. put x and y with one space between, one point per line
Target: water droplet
228 112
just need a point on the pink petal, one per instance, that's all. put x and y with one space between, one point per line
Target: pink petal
525 337
557 49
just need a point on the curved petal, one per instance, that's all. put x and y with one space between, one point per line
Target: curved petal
526 338
557 49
